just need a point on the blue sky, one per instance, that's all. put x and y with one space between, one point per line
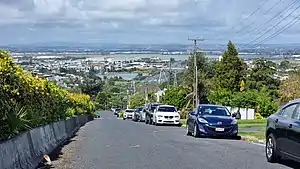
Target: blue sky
140 21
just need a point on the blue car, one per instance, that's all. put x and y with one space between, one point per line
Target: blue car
211 120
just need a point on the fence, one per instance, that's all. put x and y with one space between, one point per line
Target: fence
26 150
246 114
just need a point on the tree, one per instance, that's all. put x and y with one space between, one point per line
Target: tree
290 88
230 71
103 100
221 96
137 100
285 64
262 75
205 71
176 96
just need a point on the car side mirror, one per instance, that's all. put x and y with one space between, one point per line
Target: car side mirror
233 115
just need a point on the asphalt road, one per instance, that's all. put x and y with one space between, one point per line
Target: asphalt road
110 143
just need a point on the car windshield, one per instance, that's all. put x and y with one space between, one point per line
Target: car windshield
129 111
166 109
118 109
214 111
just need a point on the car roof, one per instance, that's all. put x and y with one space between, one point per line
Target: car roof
165 105
211 105
294 101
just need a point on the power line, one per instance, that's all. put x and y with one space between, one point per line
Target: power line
246 26
274 17
251 14
254 12
291 23
266 32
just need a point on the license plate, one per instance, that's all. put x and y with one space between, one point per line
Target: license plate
219 129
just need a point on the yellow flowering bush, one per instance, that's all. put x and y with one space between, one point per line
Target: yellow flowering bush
28 101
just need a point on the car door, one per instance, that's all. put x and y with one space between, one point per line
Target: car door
282 122
189 119
293 134
193 118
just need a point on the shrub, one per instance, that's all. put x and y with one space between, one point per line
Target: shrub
43 101
257 116
121 114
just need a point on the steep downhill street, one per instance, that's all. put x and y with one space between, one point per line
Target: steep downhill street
110 143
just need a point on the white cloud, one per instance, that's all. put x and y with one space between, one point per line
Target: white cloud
179 18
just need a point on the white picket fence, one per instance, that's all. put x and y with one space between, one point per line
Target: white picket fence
246 114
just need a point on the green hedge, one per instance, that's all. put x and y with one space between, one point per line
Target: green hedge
28 101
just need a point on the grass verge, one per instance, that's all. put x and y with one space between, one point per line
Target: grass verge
253 137
256 121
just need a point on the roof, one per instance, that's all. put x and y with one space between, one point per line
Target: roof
294 101
212 105
166 106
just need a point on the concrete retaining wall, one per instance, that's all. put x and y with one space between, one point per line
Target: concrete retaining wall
25 151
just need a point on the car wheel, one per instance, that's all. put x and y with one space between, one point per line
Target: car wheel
188 133
146 120
150 121
271 149
195 132
155 123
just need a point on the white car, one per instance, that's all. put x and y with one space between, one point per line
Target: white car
166 114
128 114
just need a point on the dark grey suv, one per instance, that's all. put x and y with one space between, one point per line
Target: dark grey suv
283 133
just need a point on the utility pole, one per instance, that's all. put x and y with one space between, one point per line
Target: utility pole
146 96
170 73
196 101
128 99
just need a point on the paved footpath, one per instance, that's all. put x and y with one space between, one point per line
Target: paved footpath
110 143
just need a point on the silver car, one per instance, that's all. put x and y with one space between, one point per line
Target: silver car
139 114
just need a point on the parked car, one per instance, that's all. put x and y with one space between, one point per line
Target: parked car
283 133
128 114
138 114
149 112
166 114
117 111
211 120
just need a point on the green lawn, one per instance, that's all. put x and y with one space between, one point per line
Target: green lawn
257 121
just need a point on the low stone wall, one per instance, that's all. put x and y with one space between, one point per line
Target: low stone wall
25 151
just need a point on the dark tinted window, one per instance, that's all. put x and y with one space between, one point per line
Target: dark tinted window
139 109
288 111
118 109
214 111
166 109
153 106
129 111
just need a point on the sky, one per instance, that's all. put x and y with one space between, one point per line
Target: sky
146 21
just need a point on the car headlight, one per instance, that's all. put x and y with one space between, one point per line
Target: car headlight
202 120
234 121
159 116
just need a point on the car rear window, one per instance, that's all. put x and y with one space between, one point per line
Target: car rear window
166 109
129 111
